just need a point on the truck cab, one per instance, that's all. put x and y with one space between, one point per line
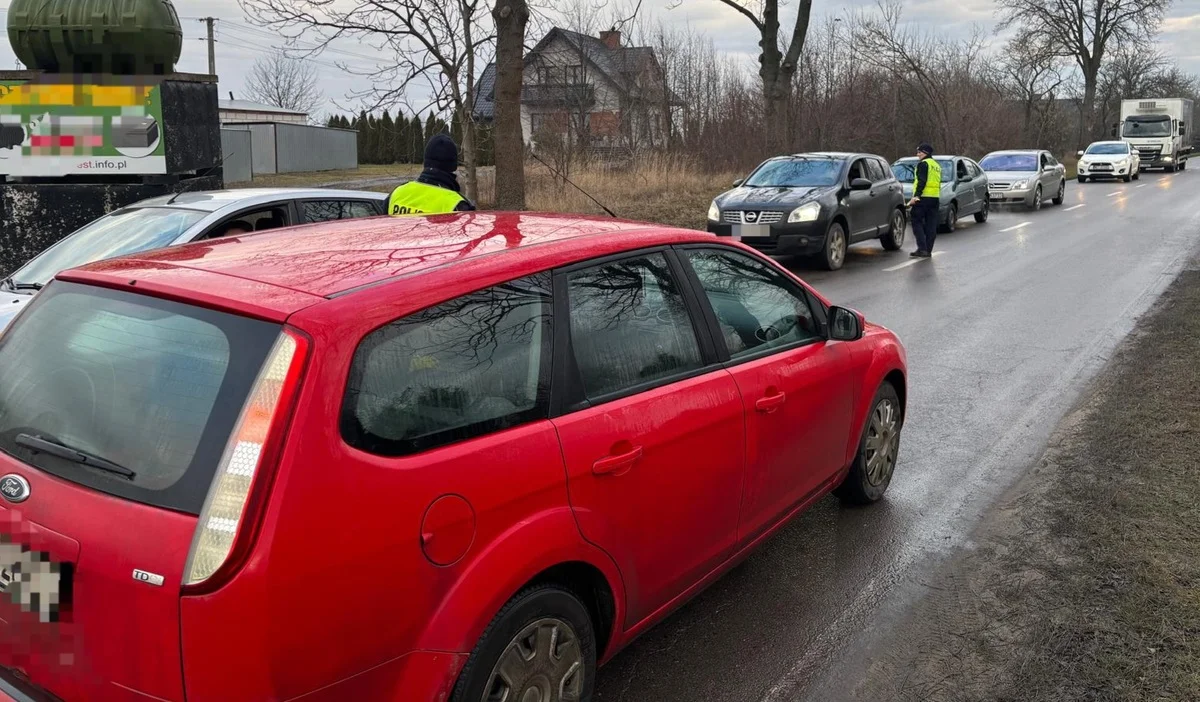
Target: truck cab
1160 130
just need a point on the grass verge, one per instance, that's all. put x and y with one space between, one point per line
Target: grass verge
663 189
1086 584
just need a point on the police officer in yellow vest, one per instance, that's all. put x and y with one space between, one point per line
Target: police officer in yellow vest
926 200
436 190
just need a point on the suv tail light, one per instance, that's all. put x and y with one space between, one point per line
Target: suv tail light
230 513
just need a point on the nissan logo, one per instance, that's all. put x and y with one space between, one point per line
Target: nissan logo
14 488
751 217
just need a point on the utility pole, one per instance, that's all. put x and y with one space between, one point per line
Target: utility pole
212 45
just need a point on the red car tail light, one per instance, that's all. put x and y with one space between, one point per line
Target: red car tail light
243 476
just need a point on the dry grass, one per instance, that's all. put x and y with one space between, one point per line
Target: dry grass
665 190
321 178
1086 584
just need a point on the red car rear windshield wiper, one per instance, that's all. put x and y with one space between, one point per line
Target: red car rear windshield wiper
54 448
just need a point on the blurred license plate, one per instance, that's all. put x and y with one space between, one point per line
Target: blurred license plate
30 580
752 231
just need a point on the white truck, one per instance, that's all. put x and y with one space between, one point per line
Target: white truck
1160 129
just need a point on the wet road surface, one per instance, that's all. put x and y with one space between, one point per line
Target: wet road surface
1003 328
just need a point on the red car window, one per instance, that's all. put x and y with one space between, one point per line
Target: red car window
629 325
755 305
150 385
474 365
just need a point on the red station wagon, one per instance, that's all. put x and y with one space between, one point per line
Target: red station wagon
461 457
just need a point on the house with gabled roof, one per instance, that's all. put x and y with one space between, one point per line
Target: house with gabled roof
590 92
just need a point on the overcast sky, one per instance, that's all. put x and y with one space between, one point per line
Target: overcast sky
238 43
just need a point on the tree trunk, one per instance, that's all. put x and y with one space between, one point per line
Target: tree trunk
510 17
771 71
470 152
1090 78
466 107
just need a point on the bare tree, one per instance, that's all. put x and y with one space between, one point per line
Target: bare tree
1032 72
436 41
280 80
1085 31
776 64
1133 72
510 18
940 72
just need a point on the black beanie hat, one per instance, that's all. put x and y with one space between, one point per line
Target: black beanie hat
441 153
926 147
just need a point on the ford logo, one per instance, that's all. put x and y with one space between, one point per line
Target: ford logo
14 488
751 217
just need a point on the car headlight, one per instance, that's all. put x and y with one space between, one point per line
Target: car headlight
805 213
1020 184
714 212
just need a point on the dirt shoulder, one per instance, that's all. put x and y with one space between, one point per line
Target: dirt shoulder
1085 583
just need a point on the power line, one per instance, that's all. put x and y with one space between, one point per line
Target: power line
304 45
242 43
307 45
258 49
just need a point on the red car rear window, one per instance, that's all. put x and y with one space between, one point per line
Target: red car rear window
125 393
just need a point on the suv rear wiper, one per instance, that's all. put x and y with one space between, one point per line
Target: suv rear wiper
54 448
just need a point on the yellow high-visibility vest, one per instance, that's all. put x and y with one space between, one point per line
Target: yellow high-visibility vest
933 181
414 198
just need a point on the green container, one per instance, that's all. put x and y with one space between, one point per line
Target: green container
124 37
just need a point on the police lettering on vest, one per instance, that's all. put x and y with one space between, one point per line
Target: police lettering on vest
415 198
933 180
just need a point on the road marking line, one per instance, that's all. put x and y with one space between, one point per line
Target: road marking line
1119 192
913 262
1016 227
1073 207
1140 186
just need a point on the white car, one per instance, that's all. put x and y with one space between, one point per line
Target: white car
169 220
1109 159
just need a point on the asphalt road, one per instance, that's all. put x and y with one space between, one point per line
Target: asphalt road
1004 326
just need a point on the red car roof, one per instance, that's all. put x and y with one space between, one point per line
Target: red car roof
278 272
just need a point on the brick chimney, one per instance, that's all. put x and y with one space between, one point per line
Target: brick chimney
611 38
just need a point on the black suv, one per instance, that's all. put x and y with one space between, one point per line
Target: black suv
813 204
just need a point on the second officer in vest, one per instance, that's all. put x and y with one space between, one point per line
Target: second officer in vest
436 190
927 193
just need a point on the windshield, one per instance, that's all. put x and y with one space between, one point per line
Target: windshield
1009 162
906 171
1108 149
120 233
1147 127
149 387
796 173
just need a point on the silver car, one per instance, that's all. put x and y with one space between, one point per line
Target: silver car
1026 177
964 188
179 219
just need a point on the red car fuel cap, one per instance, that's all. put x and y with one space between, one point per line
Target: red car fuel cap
447 530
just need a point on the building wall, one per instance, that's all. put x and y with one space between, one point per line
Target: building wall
236 154
246 117
304 148
558 54
611 121
299 148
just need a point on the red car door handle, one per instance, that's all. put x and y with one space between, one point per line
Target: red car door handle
618 463
770 403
